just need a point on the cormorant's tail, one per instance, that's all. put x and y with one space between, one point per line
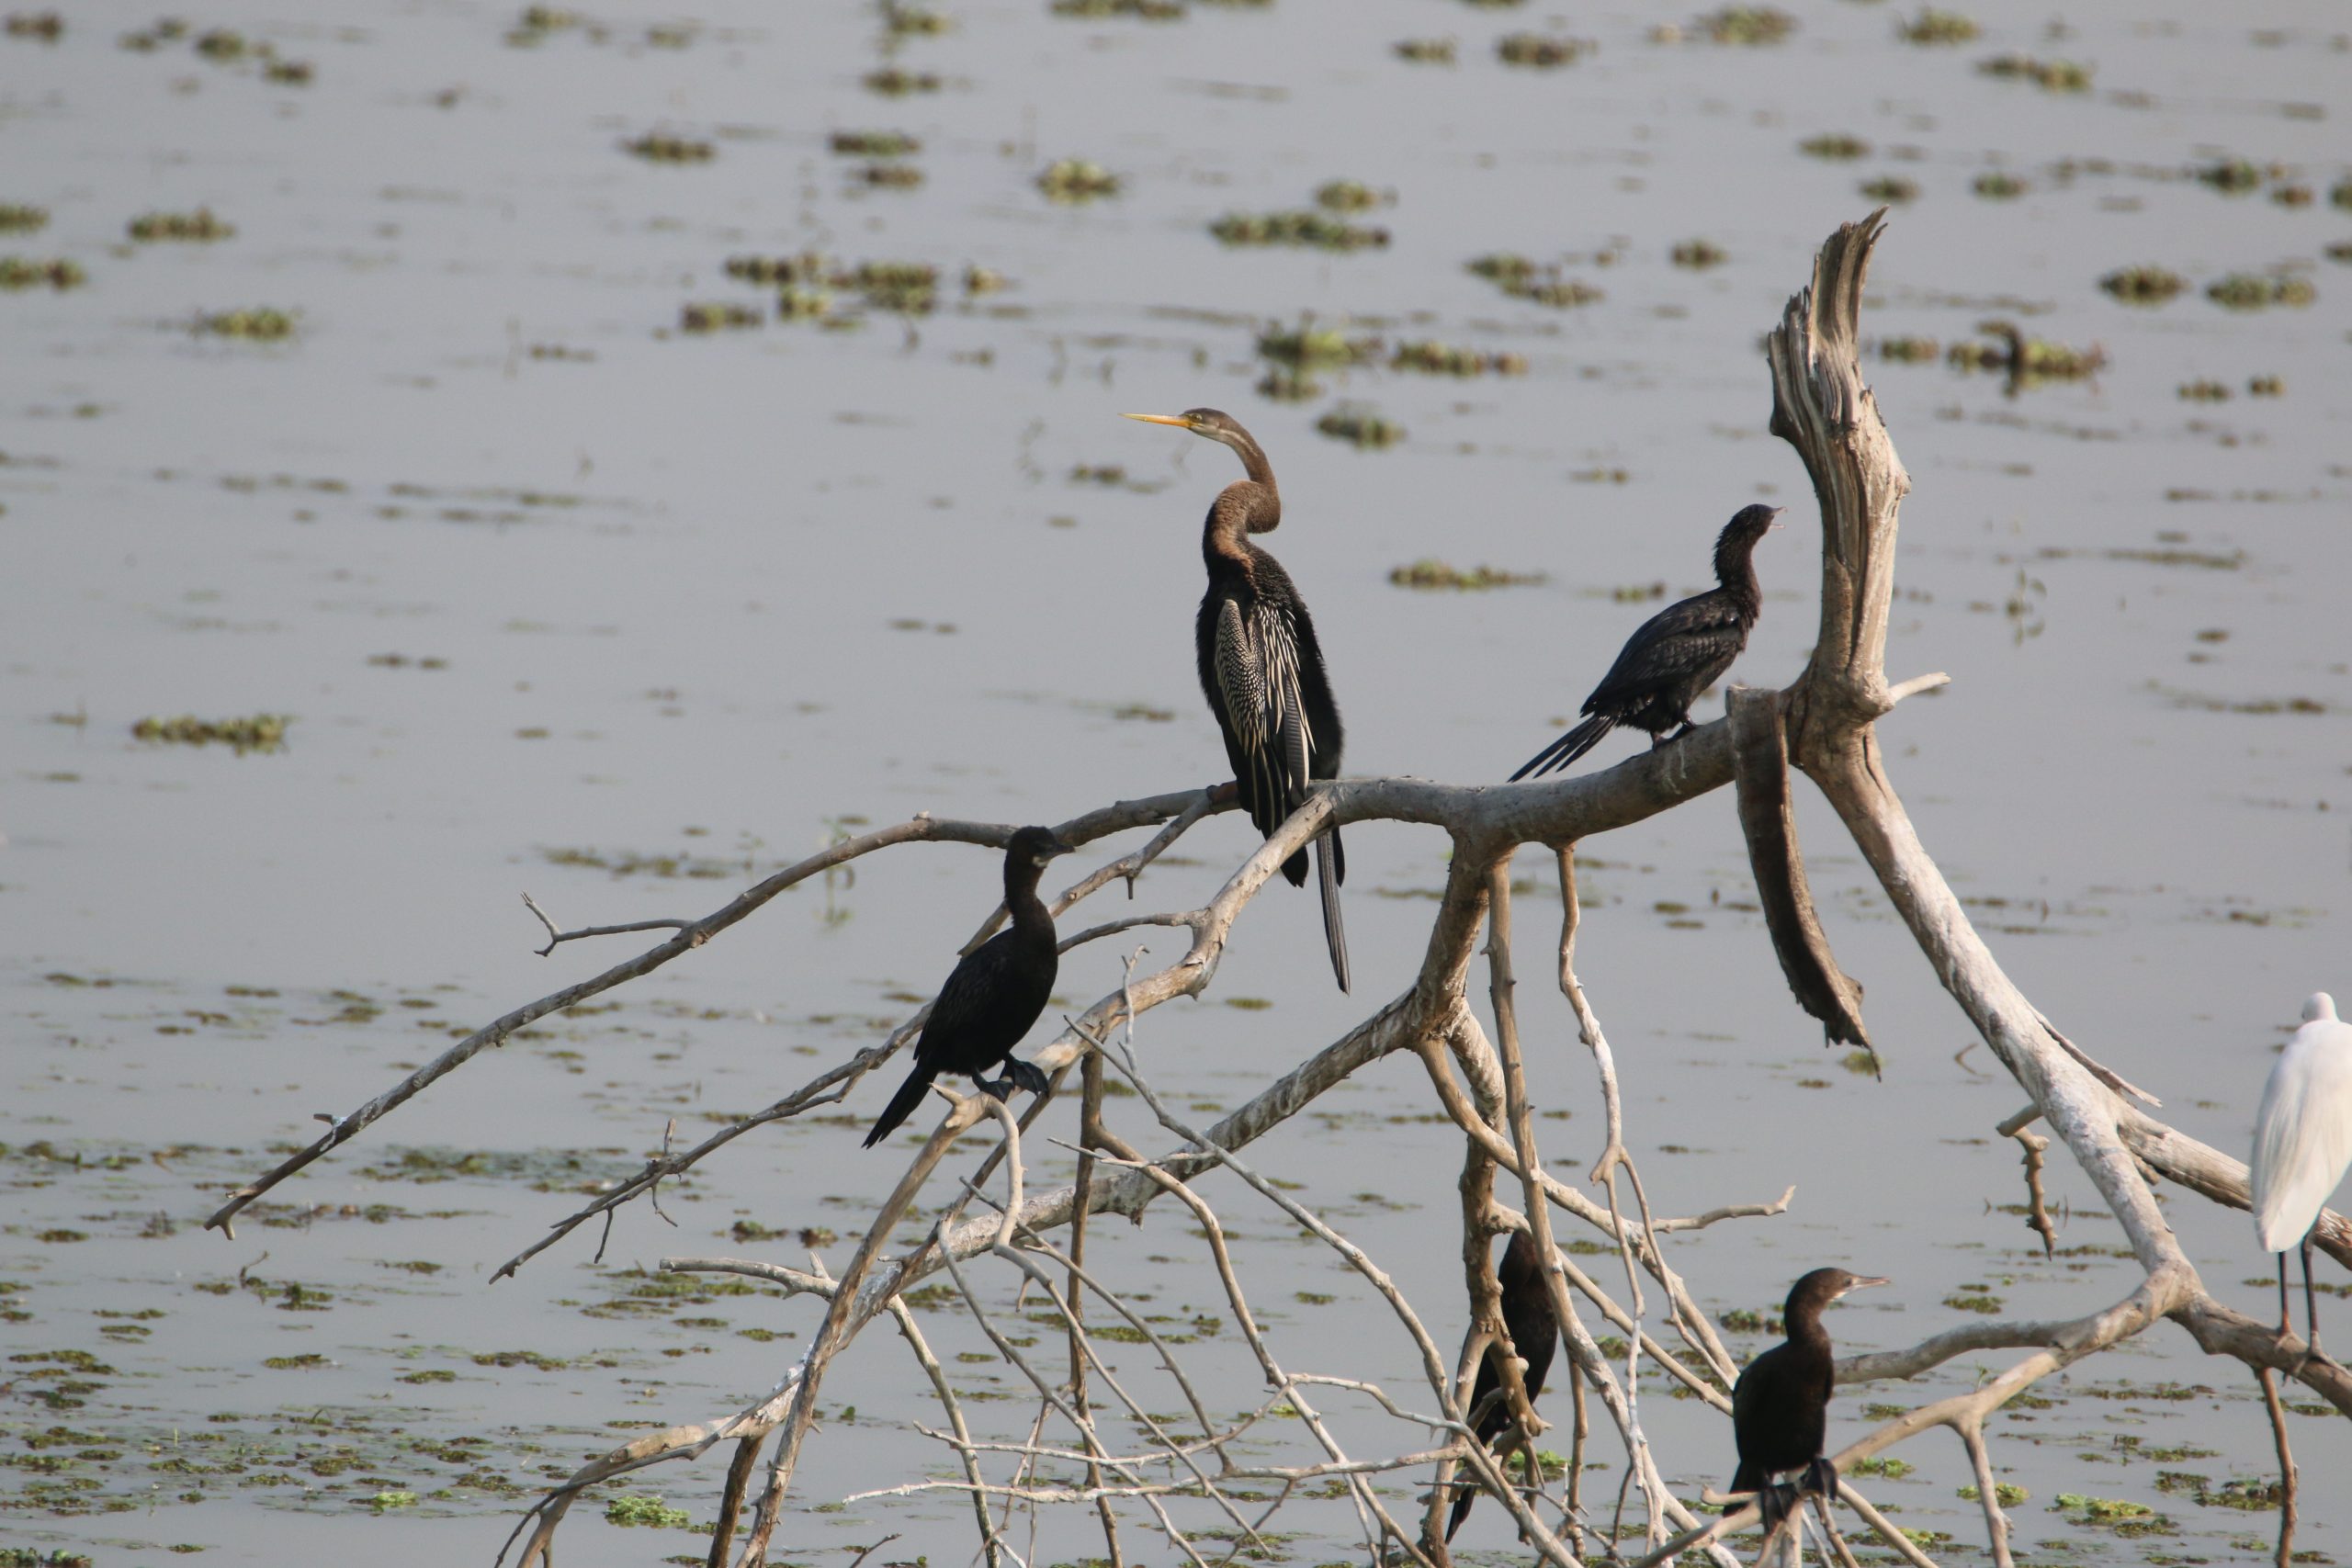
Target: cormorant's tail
1567 748
1747 1479
1330 867
902 1105
1462 1501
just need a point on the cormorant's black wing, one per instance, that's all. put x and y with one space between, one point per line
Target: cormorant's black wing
1257 668
1678 641
969 1023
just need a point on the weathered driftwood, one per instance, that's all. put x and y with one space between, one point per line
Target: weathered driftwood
1826 722
1769 821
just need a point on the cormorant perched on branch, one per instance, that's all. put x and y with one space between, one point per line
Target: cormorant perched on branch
1534 1329
993 996
1261 667
1780 1406
1677 654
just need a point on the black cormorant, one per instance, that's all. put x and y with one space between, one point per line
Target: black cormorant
993 996
1779 1407
1534 1329
1677 653
1261 667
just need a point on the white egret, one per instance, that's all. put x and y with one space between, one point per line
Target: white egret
2302 1142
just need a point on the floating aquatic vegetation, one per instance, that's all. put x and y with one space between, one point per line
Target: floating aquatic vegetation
17 271
2005 1494
2024 358
895 82
1523 278
1890 189
2051 75
980 279
46 27
263 732
1073 180
1148 10
776 269
1542 50
908 286
1360 427
2294 196
1426 50
198 226
1700 254
1995 185
875 144
646 1511
2233 177
903 20
2267 387
2253 291
1301 226
658 148
1308 346
1909 350
794 304
221 44
2143 285
1287 385
1431 573
1934 26
16 218
2203 392
891 176
2342 195
1444 359
288 72
1350 196
1836 146
1507 268
1748 25
263 324
2341 250
712 318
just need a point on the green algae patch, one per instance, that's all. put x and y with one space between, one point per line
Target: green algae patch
1301 227
1542 52
1434 358
2049 75
198 227
260 324
717 317
2255 291
307 1362
17 218
1424 51
656 148
18 273
1073 180
648 1511
2143 285
1430 573
1934 27
1835 147
1360 427
263 732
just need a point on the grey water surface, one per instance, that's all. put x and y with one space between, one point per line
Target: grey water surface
562 597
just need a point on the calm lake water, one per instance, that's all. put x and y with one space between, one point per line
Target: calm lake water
563 598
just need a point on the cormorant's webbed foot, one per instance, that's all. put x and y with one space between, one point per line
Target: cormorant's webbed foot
997 1089
1028 1076
1775 1500
1819 1476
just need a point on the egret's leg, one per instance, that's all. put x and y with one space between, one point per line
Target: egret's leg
2284 1325
2310 1317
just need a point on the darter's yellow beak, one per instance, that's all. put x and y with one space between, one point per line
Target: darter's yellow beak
1178 419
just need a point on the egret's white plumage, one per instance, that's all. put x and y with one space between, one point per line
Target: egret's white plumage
2302 1136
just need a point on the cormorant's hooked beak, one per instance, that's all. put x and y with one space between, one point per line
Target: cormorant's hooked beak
1054 847
1769 527
1178 419
1864 1284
